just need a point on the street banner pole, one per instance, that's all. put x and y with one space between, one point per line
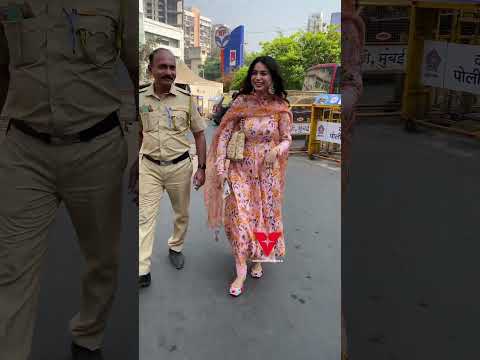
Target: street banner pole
222 60
222 37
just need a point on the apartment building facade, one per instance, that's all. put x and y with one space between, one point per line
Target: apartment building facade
198 31
316 22
165 11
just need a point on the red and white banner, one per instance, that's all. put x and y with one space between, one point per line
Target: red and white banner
233 57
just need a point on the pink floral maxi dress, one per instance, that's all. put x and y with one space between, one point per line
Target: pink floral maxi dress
255 202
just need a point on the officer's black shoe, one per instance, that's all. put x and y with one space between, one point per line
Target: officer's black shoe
177 259
81 353
144 280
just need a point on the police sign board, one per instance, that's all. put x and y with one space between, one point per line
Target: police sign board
301 129
462 71
222 36
451 66
434 61
301 120
329 132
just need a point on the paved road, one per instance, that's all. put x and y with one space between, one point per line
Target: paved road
410 245
291 313
61 289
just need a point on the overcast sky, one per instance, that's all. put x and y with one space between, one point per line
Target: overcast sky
263 18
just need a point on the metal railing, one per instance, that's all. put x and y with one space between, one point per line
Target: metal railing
322 143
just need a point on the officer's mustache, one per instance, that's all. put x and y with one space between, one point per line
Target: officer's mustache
167 78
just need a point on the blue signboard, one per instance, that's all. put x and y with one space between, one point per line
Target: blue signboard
328 99
233 58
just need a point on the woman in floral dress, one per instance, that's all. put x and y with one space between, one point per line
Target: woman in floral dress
257 182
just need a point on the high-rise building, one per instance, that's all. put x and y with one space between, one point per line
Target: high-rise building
165 11
189 28
336 19
198 38
316 22
205 37
157 33
198 31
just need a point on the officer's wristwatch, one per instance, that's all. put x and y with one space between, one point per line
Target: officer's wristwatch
203 167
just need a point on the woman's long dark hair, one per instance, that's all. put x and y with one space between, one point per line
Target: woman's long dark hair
274 69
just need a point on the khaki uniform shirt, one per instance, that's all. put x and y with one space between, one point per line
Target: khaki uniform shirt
62 61
166 121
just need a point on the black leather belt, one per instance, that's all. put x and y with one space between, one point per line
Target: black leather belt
104 126
182 157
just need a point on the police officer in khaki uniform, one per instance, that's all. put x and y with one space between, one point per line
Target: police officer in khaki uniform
167 113
64 144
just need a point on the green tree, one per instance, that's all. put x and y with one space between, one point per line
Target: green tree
238 77
295 54
301 50
212 68
287 51
321 47
249 57
241 73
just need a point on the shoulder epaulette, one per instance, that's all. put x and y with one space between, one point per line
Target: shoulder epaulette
183 91
143 90
144 87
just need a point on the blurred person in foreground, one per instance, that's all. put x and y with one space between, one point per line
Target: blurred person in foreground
64 143
353 30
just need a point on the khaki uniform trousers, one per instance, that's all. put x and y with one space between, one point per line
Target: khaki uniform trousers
35 177
154 179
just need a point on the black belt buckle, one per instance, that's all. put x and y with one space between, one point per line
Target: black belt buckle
164 162
159 162
182 157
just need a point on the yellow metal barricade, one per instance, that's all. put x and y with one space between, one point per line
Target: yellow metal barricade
302 114
301 106
438 107
325 133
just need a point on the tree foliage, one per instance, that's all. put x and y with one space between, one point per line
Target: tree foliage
211 68
238 77
241 73
295 54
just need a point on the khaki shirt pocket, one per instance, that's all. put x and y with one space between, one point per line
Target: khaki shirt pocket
96 35
181 119
26 41
148 124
